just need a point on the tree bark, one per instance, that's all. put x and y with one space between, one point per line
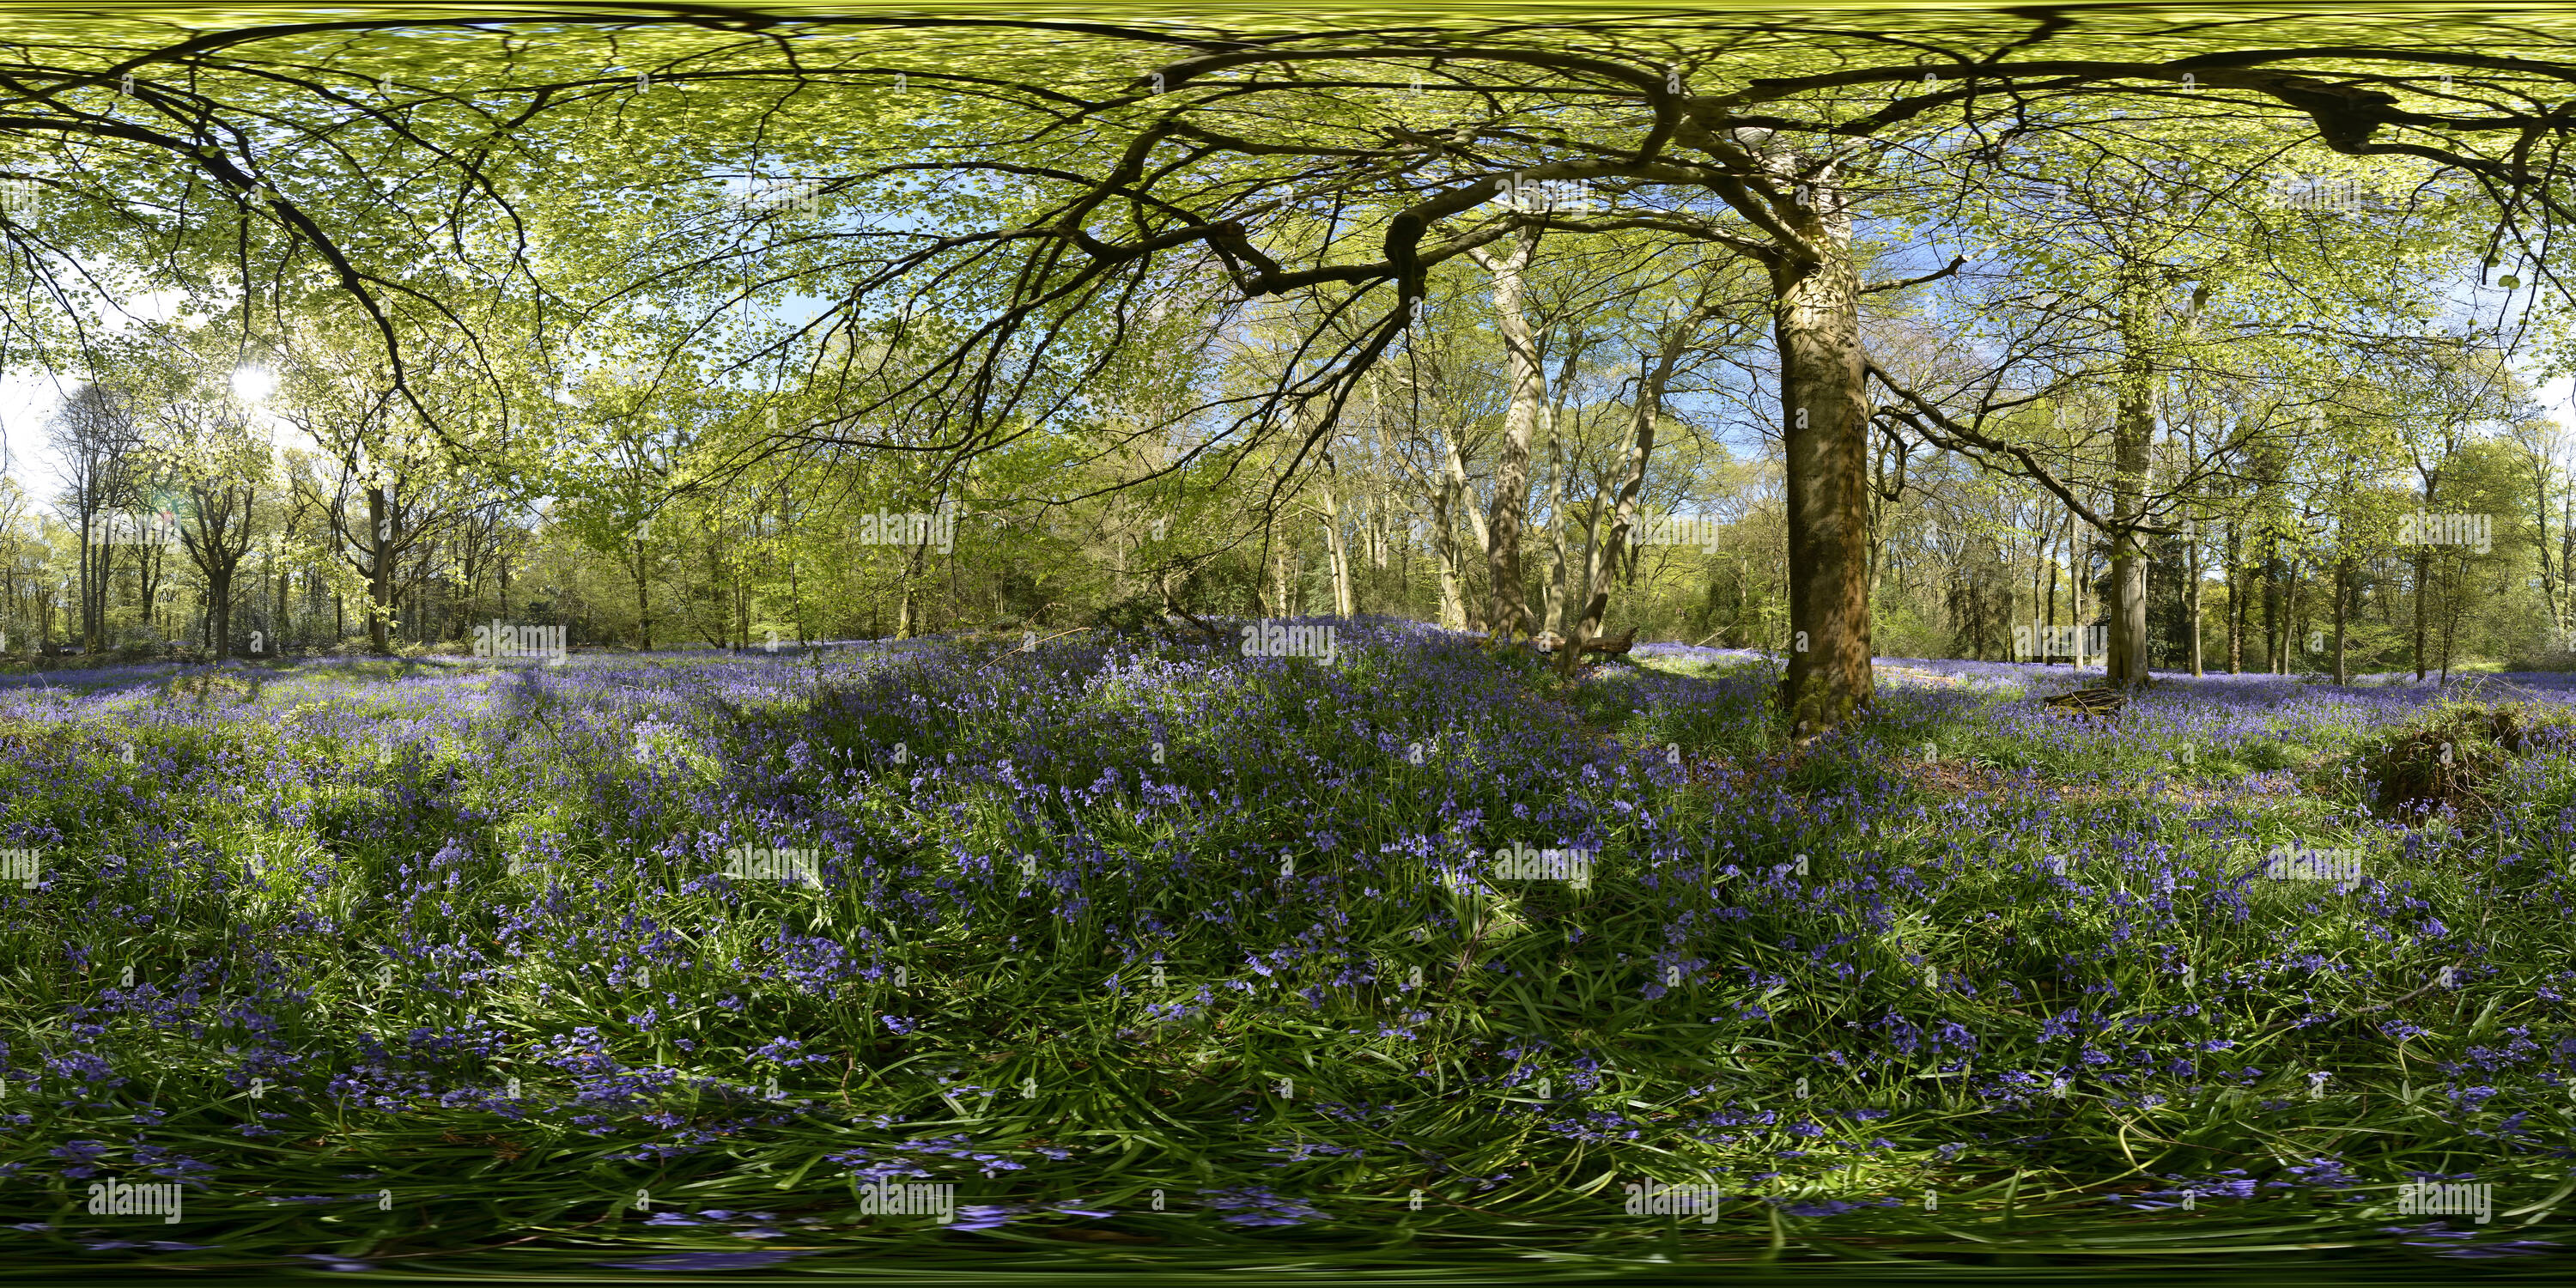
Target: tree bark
1825 447
1632 482
2343 580
1462 496
643 597
1506 607
2191 540
2421 590
1337 556
2080 560
1552 610
1444 535
2235 597
1560 589
219 590
2133 430
2049 547
380 571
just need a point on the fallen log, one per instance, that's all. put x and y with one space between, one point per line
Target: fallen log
1612 646
2088 702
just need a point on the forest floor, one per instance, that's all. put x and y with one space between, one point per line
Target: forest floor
1148 958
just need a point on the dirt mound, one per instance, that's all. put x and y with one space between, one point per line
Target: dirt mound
2455 756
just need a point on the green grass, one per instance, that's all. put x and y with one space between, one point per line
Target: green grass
1931 898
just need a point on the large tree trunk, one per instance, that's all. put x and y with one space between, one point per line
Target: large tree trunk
1506 608
219 590
1825 441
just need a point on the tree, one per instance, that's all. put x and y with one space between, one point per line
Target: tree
95 438
198 436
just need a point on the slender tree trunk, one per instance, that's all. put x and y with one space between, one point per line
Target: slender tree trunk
1552 612
1444 535
1463 499
2080 559
1632 482
380 571
2235 598
904 623
643 597
2567 550
2191 537
2044 651
741 592
2272 608
1596 552
1337 556
2342 583
2540 546
2422 591
1559 589
2133 431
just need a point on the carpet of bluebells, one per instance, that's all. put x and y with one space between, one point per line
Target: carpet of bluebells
1157 953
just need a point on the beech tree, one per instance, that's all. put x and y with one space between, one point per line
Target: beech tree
1012 195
